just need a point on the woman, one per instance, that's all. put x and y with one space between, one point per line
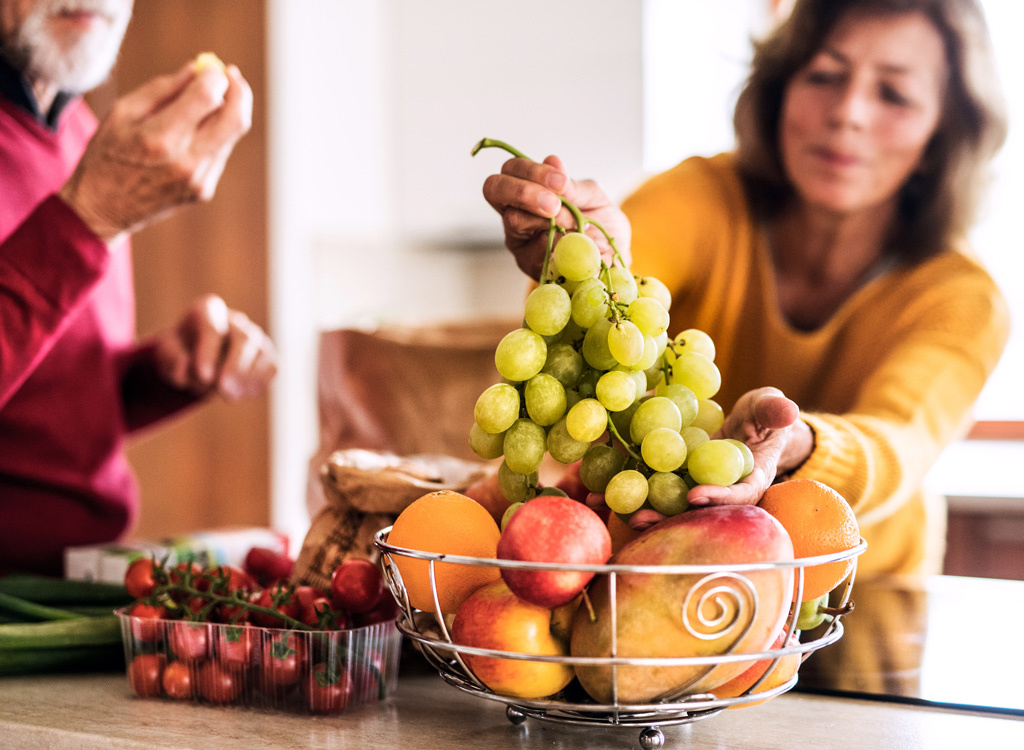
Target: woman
827 256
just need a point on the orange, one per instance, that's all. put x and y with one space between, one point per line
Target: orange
819 522
452 524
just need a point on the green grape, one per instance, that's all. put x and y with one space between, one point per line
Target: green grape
622 284
626 343
662 341
567 285
589 302
524 446
485 444
517 488
572 397
655 376
654 413
667 493
710 416
600 463
693 436
520 355
545 399
616 390
509 512
696 372
587 420
639 378
588 383
648 286
595 346
564 363
562 446
682 397
497 408
576 256
626 491
622 419
648 315
573 334
694 340
715 462
548 309
748 457
650 356
663 449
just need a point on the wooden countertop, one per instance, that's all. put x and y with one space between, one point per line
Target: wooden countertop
99 711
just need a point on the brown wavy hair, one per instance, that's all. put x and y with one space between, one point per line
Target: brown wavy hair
940 201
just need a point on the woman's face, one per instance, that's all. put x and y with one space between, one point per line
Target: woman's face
857 118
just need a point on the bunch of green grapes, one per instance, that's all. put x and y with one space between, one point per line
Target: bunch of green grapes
592 376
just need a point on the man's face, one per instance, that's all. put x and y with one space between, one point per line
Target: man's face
72 44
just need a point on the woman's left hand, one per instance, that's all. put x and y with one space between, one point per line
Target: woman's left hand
214 348
770 425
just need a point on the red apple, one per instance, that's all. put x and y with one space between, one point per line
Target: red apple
488 494
495 618
553 529
571 484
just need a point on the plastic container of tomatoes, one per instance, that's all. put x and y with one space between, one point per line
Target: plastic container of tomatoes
271 669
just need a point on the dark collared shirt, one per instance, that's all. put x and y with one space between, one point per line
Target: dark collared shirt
15 88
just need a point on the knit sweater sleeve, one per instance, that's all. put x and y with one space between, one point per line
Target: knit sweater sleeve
947 341
44 276
146 396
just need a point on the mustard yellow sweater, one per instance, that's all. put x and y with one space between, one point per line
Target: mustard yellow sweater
885 384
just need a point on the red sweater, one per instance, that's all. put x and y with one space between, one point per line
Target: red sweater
72 382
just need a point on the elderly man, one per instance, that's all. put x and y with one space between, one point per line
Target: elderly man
73 381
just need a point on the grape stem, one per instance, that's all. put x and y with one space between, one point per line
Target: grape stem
615 432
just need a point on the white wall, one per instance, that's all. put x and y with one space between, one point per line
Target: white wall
376 206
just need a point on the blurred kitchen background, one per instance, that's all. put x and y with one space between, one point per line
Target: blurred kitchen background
354 202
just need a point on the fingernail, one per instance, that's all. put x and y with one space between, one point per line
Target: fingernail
556 181
550 204
230 388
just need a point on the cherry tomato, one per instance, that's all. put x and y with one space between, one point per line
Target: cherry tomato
228 580
235 644
184 573
147 625
144 674
357 585
268 566
283 661
190 641
386 610
314 607
327 689
140 578
367 673
276 598
177 680
219 683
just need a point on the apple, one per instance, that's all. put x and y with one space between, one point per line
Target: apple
652 621
495 618
553 529
486 492
571 484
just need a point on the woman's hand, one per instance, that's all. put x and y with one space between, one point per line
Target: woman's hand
770 425
526 194
215 348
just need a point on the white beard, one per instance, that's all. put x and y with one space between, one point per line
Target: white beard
76 63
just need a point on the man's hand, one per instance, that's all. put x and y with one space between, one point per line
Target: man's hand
526 194
770 425
163 146
217 349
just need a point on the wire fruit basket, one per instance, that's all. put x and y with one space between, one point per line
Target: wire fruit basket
716 586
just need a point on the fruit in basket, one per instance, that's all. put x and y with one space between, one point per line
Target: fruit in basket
820 522
812 613
553 529
495 618
784 670
693 615
487 492
449 523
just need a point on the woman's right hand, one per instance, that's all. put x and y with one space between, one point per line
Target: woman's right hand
526 194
